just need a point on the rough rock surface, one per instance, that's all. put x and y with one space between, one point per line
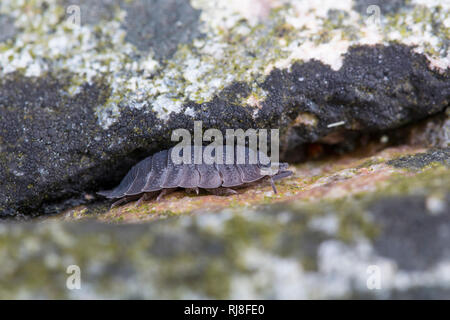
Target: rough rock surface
327 246
419 161
359 98
80 103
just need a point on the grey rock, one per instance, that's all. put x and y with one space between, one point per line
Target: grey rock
161 25
73 121
420 160
411 235
275 252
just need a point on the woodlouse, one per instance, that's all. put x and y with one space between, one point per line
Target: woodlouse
159 173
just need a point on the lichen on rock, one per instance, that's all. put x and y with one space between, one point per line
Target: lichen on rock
361 102
229 65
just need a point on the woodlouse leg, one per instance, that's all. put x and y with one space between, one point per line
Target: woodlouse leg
192 190
121 200
273 185
165 192
145 196
222 191
279 176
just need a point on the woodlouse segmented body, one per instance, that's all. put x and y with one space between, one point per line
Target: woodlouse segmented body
160 173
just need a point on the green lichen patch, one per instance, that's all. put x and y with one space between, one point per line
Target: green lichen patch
421 160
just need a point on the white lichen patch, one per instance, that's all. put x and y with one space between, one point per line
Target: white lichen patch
164 105
358 265
107 115
189 112
307 119
329 53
